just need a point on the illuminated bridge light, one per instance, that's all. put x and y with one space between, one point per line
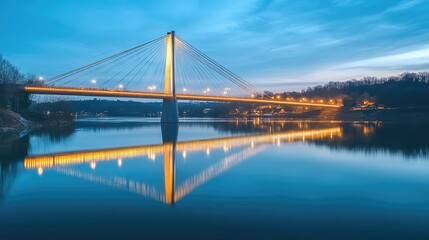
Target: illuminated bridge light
40 171
152 156
136 94
225 148
119 162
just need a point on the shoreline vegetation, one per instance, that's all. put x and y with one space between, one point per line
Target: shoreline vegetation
398 98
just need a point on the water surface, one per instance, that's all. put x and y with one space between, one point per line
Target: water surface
129 178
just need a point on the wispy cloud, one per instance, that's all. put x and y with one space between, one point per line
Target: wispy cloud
269 42
414 57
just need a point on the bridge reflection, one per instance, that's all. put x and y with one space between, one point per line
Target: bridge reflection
250 144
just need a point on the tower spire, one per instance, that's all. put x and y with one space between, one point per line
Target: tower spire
170 61
170 112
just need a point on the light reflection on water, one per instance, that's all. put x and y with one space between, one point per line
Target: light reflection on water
115 178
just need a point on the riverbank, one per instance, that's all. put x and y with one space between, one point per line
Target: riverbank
13 122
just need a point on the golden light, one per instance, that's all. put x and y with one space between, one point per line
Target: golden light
225 148
155 95
40 171
152 156
278 96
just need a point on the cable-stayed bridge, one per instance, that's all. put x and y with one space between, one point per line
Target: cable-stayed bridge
165 68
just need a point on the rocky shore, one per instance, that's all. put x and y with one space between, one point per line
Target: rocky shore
13 122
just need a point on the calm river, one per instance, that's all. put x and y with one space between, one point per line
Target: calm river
130 178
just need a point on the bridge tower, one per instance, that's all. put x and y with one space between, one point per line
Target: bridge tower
170 112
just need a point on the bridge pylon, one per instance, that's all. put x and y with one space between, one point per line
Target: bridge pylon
170 112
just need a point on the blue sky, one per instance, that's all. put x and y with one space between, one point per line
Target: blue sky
276 45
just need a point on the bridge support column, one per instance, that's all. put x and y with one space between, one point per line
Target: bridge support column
170 112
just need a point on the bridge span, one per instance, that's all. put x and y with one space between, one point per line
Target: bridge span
154 95
166 68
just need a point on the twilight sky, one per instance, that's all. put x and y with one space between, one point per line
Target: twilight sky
275 45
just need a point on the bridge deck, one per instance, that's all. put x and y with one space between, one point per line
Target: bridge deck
153 95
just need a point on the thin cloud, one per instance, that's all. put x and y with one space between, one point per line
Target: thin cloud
268 42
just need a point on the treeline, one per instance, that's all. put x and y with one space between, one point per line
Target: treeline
10 74
132 108
10 79
405 90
